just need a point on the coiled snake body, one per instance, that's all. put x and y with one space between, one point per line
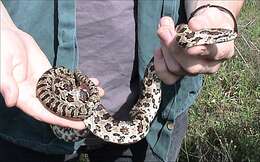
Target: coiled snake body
73 96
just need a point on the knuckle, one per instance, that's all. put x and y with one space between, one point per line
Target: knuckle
224 54
196 51
213 70
220 56
193 70
231 54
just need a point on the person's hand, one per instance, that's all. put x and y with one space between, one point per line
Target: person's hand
22 64
172 61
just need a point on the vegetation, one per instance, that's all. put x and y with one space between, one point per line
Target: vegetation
224 124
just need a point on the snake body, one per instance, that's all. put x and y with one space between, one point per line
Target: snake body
72 95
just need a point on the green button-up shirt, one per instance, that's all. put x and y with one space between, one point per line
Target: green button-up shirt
52 25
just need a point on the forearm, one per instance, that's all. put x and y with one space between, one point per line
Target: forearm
233 5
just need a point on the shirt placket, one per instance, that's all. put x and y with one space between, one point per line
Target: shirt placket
66 51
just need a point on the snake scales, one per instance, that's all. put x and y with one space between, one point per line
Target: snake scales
73 96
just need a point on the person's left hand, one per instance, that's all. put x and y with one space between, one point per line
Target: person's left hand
172 62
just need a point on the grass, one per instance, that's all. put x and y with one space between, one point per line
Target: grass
225 121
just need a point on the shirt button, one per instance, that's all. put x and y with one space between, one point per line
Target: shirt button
170 125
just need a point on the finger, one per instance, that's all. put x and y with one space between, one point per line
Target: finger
221 51
198 51
166 30
193 64
34 108
95 81
214 52
101 91
9 90
196 65
162 70
171 64
213 68
166 21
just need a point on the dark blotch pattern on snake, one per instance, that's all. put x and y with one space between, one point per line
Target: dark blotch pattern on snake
73 96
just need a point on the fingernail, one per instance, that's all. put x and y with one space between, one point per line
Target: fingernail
165 22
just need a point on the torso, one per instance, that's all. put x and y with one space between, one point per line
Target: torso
106 40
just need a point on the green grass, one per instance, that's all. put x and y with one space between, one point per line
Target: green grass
224 124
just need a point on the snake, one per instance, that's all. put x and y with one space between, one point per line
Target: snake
72 95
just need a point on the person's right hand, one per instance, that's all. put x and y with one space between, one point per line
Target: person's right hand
22 64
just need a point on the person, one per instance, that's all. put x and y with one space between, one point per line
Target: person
111 41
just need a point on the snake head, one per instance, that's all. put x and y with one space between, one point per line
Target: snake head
186 38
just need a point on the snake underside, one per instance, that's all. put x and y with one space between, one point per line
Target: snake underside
72 95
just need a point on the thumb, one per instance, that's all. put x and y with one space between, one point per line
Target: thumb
162 70
166 31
